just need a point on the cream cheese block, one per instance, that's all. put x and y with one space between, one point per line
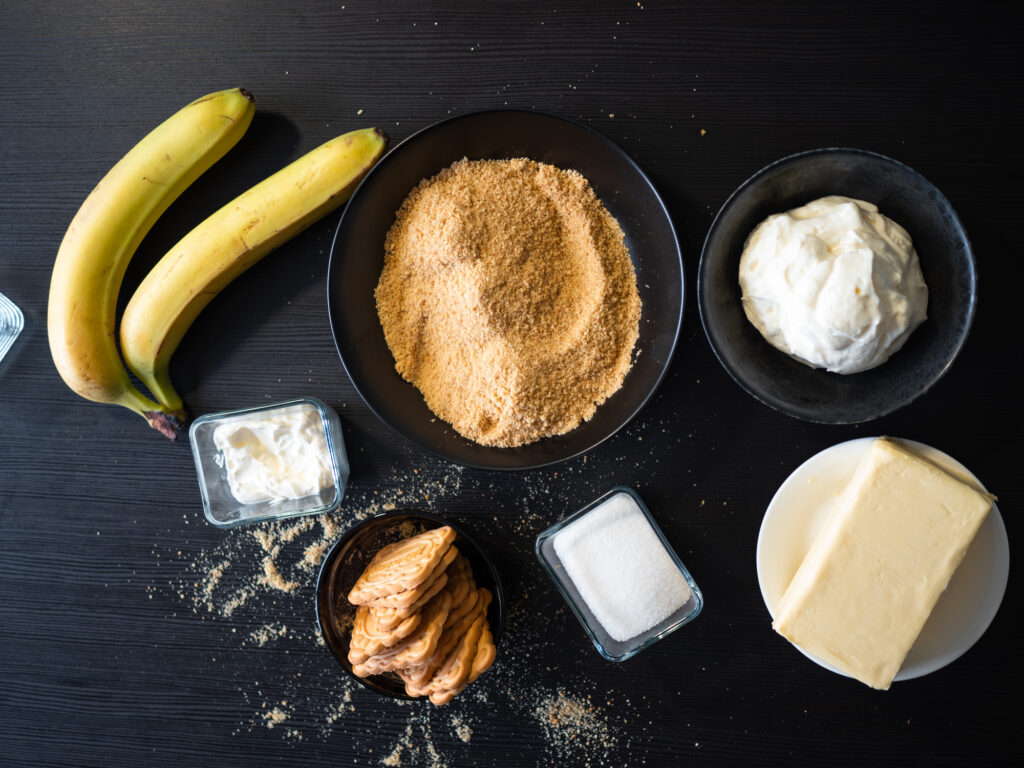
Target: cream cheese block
870 580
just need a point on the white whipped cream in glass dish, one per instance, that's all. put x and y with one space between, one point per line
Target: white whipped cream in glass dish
275 456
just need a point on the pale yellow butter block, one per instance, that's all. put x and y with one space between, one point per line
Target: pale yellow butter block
870 580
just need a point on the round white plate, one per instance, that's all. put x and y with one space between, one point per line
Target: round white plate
798 512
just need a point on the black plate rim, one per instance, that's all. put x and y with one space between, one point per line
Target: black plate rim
781 407
662 207
460 532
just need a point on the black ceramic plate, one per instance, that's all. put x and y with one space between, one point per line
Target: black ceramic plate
353 552
947 262
358 256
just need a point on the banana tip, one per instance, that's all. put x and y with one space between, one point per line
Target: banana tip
247 93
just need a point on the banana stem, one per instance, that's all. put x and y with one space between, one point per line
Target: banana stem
159 383
167 421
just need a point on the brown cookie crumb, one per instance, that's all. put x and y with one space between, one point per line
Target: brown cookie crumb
508 298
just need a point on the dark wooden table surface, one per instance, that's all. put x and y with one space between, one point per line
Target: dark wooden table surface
121 643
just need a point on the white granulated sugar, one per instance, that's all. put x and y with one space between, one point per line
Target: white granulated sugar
621 568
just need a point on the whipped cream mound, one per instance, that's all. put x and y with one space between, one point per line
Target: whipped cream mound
834 283
275 456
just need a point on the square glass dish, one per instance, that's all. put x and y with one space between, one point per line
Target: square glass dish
613 546
304 431
12 321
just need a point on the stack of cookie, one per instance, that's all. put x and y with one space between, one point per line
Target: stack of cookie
420 615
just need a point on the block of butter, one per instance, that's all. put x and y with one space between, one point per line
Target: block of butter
870 580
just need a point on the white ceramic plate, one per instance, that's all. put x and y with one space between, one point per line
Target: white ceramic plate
798 512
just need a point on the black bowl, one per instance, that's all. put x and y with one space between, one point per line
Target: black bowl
352 553
947 262
357 258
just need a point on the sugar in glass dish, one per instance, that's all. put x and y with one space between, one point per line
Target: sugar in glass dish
619 574
221 504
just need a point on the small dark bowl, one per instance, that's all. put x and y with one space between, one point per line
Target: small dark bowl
947 262
350 555
357 258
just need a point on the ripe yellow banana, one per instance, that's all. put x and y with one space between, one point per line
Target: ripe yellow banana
107 229
229 242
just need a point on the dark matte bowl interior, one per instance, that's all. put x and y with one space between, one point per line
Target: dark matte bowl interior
357 258
352 553
947 262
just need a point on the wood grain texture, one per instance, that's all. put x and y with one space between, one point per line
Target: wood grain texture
110 658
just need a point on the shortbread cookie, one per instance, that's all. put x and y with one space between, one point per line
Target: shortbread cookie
437 698
459 580
420 675
411 686
482 660
435 586
388 618
442 698
406 599
459 612
416 648
486 653
369 638
454 672
449 639
403 565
